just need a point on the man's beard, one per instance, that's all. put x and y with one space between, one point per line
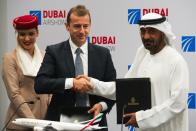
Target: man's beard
151 44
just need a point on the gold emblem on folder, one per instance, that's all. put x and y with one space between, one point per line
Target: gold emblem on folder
132 102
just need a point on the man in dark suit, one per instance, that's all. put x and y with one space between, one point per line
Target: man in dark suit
57 74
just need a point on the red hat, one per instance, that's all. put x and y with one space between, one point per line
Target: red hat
25 22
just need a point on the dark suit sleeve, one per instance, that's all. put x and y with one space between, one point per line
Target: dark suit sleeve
45 82
110 72
109 75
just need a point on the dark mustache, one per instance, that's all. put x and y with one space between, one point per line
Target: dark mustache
148 41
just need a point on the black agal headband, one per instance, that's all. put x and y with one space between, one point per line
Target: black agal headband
152 21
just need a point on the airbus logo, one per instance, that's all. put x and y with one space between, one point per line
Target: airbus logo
188 43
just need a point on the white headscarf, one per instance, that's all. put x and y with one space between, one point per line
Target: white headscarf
164 27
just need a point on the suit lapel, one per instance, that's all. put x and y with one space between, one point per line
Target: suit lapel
69 59
90 60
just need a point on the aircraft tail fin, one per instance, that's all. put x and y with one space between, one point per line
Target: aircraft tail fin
93 121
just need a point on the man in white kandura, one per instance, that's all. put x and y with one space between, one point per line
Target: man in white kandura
168 73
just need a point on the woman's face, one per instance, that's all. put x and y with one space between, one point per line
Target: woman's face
27 38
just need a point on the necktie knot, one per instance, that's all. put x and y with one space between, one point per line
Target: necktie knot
78 51
78 63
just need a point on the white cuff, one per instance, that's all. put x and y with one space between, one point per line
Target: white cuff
104 106
139 118
68 83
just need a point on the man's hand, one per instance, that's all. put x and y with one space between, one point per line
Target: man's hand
81 84
132 121
96 109
83 76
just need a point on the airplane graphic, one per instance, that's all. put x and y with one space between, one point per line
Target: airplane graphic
41 125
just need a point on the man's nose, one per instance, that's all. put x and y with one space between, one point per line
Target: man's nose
82 29
146 35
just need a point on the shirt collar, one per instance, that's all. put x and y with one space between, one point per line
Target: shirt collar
84 47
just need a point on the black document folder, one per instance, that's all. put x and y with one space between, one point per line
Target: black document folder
132 94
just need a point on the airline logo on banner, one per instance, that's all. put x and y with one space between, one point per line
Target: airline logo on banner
188 43
135 14
50 17
191 101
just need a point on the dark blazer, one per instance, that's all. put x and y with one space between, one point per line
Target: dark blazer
58 65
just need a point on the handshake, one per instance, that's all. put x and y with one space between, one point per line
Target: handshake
82 84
